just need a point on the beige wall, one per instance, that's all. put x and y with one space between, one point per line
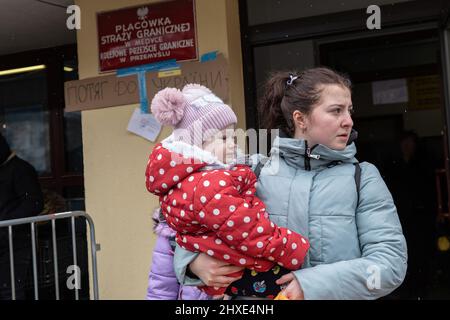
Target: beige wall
115 160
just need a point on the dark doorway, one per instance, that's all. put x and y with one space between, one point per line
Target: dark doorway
33 120
399 113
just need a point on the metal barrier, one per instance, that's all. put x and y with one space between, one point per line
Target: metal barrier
52 217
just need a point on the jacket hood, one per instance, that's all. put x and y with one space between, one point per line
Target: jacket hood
172 161
174 158
297 154
167 168
5 151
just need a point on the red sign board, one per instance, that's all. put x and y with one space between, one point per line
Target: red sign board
146 34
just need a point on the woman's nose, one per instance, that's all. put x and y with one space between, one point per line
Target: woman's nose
347 121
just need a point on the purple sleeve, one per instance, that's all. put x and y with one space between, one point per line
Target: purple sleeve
162 281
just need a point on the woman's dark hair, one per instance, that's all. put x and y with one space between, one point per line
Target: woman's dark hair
282 95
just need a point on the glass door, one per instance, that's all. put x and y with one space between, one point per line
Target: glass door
400 114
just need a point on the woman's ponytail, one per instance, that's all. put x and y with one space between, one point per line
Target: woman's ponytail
270 109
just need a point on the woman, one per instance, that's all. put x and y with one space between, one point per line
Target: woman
357 250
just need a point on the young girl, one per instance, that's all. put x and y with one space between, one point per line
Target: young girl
209 199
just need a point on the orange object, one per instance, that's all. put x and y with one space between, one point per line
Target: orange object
281 296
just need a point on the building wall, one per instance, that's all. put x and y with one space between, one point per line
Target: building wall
115 160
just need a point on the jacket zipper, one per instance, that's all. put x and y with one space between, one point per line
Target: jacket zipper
308 155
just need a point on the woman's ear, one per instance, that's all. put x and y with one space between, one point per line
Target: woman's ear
300 120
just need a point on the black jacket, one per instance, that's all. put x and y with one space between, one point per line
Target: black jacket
20 192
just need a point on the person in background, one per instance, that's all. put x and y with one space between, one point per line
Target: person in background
20 197
409 178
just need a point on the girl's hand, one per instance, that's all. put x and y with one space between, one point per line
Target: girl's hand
213 272
293 291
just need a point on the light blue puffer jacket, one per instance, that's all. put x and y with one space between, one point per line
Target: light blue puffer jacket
358 250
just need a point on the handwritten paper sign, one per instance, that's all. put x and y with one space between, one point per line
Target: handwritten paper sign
110 91
100 92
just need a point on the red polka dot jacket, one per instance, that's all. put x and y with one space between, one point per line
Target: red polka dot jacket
216 211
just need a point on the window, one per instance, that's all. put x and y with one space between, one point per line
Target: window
33 120
25 119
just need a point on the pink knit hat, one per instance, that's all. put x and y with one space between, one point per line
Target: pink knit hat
194 112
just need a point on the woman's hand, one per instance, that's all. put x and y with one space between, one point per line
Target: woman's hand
293 291
213 272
